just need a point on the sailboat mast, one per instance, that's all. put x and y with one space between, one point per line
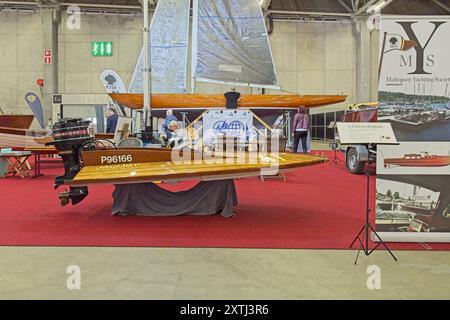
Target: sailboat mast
194 43
146 70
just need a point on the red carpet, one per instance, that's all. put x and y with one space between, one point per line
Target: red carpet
318 207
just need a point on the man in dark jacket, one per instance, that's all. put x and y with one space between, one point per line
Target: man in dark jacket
232 98
111 121
300 129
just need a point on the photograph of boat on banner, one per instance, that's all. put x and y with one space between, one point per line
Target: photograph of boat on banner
425 118
432 158
413 203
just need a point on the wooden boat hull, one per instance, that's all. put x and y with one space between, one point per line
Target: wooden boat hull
124 166
432 161
19 138
364 115
44 140
16 121
214 101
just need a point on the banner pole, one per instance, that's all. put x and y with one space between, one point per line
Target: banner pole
381 56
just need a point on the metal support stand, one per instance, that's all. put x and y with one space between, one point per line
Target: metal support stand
288 128
334 145
147 133
184 119
336 159
363 235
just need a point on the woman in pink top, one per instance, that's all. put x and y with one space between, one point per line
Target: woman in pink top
300 128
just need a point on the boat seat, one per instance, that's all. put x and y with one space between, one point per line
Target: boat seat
130 143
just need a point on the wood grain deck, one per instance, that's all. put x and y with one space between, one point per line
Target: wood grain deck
203 169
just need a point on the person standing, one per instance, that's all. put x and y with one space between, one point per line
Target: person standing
300 129
111 121
232 98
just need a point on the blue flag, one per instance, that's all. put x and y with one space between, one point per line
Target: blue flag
35 105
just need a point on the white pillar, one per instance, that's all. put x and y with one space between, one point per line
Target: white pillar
50 21
366 88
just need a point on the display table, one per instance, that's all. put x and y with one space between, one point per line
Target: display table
148 199
15 162
38 152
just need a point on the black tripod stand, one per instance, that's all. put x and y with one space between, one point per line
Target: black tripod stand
363 235
334 146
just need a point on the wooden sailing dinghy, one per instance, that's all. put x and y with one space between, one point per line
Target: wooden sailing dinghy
217 101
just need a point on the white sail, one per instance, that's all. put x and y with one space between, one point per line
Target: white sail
231 45
169 35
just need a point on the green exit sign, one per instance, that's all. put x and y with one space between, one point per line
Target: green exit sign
102 48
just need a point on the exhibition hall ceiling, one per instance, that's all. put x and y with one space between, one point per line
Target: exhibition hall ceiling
280 7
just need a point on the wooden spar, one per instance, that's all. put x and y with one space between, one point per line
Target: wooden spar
215 101
196 120
262 122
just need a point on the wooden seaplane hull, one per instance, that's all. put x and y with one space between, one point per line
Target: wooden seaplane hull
217 101
125 166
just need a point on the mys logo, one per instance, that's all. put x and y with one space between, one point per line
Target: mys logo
419 48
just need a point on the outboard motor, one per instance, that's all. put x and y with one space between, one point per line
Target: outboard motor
69 136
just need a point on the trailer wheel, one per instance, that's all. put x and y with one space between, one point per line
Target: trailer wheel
353 163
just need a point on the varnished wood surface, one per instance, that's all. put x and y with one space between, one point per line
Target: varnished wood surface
187 170
102 135
23 132
16 121
44 140
16 141
47 139
139 155
214 101
41 149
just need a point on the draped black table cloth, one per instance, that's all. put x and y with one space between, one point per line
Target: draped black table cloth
148 199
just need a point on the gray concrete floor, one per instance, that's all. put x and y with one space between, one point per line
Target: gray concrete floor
190 273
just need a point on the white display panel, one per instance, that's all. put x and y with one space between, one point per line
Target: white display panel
365 133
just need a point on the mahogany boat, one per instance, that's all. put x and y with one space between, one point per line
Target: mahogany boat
19 138
48 139
43 140
418 160
361 115
215 101
126 165
16 121
85 164
15 132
